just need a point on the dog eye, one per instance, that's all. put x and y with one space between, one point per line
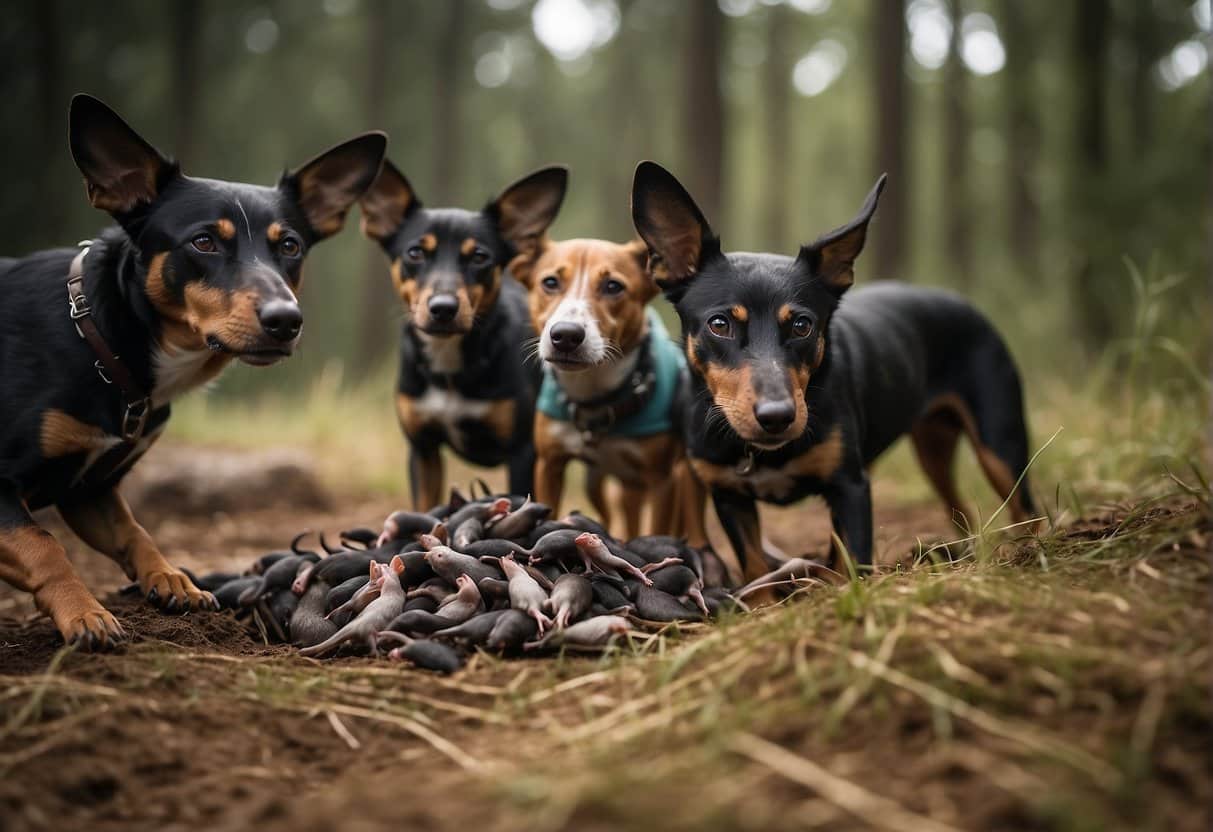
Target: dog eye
612 287
289 247
802 326
204 243
415 254
720 326
550 284
481 257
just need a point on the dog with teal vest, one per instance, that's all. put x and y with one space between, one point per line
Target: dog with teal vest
613 385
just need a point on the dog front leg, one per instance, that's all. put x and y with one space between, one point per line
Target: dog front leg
549 480
850 502
427 477
739 516
663 500
105 523
692 500
632 502
33 561
522 470
596 492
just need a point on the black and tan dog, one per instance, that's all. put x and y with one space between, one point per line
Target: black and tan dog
95 343
614 383
797 390
464 380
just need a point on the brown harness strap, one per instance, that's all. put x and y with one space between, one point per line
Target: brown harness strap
136 402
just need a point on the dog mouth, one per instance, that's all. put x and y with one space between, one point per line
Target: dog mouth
757 438
254 357
440 330
768 444
569 362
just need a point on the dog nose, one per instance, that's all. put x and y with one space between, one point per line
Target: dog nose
566 336
281 319
443 308
775 416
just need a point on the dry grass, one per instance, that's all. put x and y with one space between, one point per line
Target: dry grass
1060 683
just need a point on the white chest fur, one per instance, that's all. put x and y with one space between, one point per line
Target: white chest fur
179 371
447 408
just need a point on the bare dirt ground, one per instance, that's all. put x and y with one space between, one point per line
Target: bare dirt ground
994 695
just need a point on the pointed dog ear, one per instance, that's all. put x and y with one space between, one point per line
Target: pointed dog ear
678 236
831 259
387 203
524 210
522 267
329 184
122 171
638 250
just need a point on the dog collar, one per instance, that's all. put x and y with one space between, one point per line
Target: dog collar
598 416
137 405
745 466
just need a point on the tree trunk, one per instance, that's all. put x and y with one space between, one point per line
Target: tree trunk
1023 131
376 309
52 117
1089 70
703 107
958 230
631 117
448 66
1146 48
186 38
892 136
775 78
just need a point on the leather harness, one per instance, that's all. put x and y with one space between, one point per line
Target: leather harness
136 403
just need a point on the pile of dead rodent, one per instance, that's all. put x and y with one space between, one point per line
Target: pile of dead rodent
494 573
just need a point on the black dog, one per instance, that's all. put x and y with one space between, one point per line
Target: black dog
464 379
95 342
796 393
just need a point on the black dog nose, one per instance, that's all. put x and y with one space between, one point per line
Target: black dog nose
281 319
775 416
443 308
567 337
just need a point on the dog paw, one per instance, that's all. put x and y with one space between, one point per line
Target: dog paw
172 591
79 616
91 630
761 597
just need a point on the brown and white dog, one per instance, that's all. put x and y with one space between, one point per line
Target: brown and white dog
613 384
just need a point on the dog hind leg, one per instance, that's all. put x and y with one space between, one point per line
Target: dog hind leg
935 439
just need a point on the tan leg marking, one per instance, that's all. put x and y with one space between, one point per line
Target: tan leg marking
996 470
935 439
63 435
106 524
431 482
550 461
33 561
